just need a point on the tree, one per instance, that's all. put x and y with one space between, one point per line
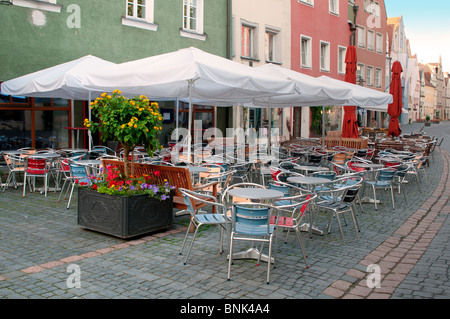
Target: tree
131 122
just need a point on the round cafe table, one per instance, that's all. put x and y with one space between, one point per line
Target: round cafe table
311 183
307 168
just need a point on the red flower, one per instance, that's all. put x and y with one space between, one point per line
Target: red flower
94 187
157 173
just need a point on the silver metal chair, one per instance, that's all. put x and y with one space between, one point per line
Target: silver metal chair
198 219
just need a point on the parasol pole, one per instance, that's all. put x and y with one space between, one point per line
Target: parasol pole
190 82
323 127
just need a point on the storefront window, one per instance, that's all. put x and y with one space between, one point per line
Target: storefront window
15 129
50 132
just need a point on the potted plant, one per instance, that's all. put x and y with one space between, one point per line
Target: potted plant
118 204
427 120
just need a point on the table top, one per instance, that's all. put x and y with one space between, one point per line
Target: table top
310 180
89 162
255 193
15 152
74 150
368 165
195 169
311 168
45 155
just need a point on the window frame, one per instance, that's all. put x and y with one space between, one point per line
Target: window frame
336 9
308 56
275 43
307 2
251 41
370 43
341 64
46 5
198 32
147 22
370 76
361 71
379 82
361 31
325 66
379 44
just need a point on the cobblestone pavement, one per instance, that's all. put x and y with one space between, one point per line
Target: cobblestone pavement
40 243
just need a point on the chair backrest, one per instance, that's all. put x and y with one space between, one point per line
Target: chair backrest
190 196
282 188
350 194
36 166
386 175
78 171
328 175
250 218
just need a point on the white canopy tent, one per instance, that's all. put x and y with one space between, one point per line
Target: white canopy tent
362 96
191 74
60 81
321 91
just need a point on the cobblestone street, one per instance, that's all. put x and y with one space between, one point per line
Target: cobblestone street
40 241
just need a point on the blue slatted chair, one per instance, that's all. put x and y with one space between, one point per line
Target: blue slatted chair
251 222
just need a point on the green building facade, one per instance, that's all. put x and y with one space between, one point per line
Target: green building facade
39 34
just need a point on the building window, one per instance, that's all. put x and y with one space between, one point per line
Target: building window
139 14
378 75
271 45
370 40
360 74
248 41
193 20
136 9
379 43
334 6
361 33
341 60
306 53
46 5
324 56
310 2
370 75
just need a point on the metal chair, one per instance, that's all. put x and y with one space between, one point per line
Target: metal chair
36 168
251 223
384 180
342 201
292 210
15 166
79 176
198 220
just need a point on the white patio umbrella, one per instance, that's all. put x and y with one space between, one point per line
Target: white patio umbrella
362 96
188 73
60 81
310 91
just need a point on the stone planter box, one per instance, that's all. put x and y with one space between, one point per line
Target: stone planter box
123 216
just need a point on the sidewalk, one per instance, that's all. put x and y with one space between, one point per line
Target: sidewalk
40 239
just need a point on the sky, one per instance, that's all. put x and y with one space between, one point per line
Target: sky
427 27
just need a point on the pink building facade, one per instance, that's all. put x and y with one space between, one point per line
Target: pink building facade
320 35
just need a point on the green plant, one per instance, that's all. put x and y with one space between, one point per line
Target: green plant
132 122
427 118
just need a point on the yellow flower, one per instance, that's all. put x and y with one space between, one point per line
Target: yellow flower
135 125
130 124
104 94
146 130
109 96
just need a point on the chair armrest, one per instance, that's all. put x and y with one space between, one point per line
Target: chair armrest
214 184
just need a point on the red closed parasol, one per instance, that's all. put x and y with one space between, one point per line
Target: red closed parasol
395 108
350 125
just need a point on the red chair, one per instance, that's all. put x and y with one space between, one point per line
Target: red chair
36 167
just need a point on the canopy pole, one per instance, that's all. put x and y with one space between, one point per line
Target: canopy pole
190 82
323 127
90 117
